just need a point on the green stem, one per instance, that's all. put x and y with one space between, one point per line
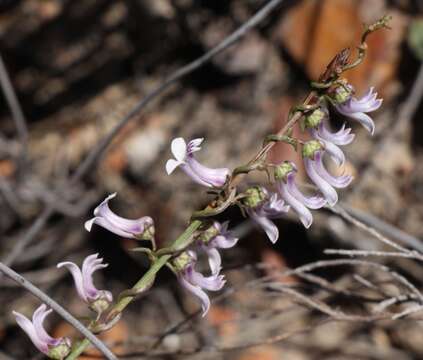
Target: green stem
78 350
143 284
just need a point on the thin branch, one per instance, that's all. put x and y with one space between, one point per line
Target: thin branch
15 109
384 227
371 253
59 309
341 212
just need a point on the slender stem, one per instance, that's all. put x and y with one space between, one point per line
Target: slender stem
142 285
59 309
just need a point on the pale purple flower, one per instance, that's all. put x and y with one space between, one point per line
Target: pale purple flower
83 279
197 172
38 335
272 208
325 181
332 140
299 202
142 228
216 237
196 282
357 108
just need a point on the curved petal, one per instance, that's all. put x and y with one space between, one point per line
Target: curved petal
215 261
77 277
336 154
312 202
107 225
179 149
225 241
304 214
38 319
327 190
91 264
365 120
213 283
341 137
267 225
194 176
131 226
194 145
197 291
336 181
26 325
171 165
275 207
214 177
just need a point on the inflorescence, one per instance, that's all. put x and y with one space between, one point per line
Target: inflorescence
260 203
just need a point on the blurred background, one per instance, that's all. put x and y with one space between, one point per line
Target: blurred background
78 67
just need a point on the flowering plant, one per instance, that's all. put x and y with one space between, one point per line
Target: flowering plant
261 203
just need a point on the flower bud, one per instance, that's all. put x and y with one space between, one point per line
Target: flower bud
282 170
149 231
314 119
254 196
310 147
209 234
342 93
183 260
100 305
60 351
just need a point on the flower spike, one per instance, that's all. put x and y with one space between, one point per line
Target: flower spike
357 108
199 173
99 300
55 348
142 228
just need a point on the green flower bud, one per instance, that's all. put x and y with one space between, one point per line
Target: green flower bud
182 261
313 119
282 170
342 93
208 234
310 147
147 234
59 352
100 305
255 195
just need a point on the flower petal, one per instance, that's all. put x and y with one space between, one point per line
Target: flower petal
214 177
179 149
197 291
26 325
266 224
341 137
107 225
327 190
213 283
38 319
77 277
91 264
336 181
194 145
171 165
304 214
215 261
131 226
312 202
